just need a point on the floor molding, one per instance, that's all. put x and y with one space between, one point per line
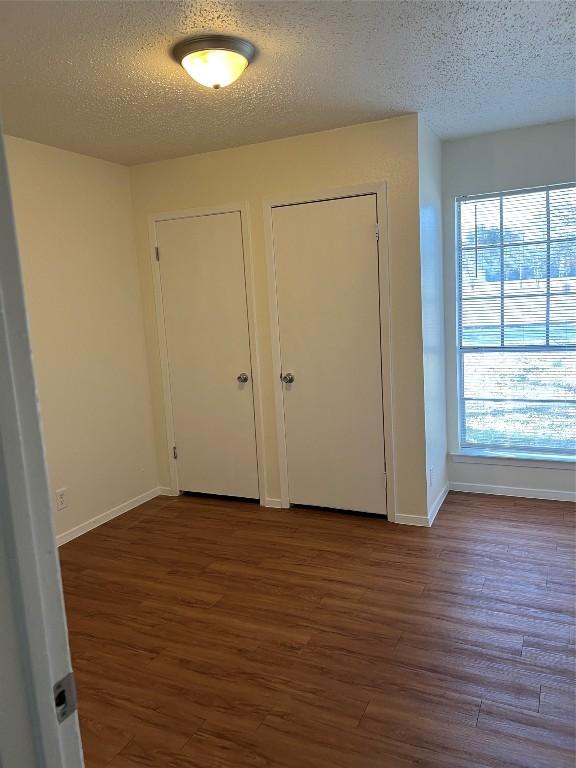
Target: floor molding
274 503
425 520
162 491
412 520
505 490
437 503
94 522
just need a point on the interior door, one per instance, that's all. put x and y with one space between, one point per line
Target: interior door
327 282
205 313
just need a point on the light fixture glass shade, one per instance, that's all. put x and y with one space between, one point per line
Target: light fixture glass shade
215 68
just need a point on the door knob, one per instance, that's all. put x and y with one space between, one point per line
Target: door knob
242 378
288 378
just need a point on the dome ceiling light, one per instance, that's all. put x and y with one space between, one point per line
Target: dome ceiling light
214 61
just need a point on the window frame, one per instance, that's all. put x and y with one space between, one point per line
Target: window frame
496 450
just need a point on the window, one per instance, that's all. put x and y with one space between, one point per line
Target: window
517 320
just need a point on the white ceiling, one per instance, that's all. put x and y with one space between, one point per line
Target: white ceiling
97 77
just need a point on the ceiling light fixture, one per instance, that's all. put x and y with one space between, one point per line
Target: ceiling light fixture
214 60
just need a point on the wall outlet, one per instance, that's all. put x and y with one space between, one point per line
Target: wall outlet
430 477
61 499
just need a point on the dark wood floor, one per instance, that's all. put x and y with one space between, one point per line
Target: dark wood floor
223 635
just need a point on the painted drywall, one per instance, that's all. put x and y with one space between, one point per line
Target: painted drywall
74 225
492 162
431 271
299 168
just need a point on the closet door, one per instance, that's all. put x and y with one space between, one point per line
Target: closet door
327 282
206 323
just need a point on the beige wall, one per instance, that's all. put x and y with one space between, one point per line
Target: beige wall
297 168
73 219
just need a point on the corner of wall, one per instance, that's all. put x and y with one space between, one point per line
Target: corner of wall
85 314
432 291
141 228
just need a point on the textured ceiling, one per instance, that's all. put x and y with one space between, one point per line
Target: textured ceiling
97 77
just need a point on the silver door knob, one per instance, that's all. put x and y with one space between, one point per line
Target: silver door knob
242 378
288 378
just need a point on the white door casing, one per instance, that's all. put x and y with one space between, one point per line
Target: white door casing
204 302
327 280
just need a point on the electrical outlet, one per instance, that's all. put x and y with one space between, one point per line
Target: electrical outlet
430 477
61 499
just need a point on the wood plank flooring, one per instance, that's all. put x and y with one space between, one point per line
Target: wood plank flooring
219 634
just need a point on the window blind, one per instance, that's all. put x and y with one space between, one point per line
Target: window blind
517 320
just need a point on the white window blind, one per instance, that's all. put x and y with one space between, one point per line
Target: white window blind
517 320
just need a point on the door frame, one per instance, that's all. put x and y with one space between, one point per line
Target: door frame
249 279
380 190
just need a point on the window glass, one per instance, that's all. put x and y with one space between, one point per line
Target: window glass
517 320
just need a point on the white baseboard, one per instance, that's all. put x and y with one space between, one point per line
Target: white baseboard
162 491
506 490
437 503
412 520
424 520
94 522
275 503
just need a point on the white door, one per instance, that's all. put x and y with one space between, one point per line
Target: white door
206 322
327 282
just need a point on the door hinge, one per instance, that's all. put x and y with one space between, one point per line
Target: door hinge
65 697
157 253
377 231
175 452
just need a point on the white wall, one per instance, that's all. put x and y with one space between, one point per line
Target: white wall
492 162
74 224
298 168
431 271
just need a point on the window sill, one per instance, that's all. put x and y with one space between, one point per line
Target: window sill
503 459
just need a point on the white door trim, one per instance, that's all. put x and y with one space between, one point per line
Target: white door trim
378 189
242 209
